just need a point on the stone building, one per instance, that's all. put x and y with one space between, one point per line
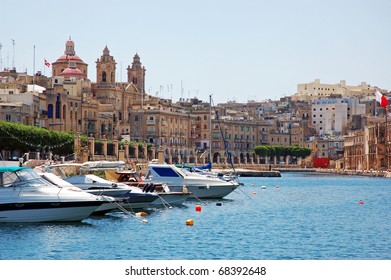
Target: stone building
312 91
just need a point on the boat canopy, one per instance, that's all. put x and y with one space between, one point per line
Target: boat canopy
11 168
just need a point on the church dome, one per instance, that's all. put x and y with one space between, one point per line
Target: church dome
71 72
67 58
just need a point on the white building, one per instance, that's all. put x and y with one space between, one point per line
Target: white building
332 116
315 90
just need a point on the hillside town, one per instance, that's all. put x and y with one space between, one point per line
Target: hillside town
344 125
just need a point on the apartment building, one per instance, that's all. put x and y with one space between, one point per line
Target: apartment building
332 116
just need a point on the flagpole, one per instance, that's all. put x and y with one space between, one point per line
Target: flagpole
34 71
387 141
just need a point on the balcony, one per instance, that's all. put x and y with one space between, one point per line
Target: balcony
151 122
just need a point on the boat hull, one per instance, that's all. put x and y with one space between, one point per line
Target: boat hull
47 211
138 200
171 199
205 191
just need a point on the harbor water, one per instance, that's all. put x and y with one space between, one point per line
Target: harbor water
301 216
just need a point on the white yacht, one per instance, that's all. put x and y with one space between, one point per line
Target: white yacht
166 196
112 203
26 197
134 198
201 186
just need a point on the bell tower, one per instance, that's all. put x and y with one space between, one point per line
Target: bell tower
136 74
105 68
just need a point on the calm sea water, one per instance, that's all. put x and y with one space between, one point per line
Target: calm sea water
309 216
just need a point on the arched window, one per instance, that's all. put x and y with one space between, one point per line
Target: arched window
50 111
64 116
104 76
112 77
58 106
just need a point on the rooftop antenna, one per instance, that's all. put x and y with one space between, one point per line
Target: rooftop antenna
121 72
13 54
181 89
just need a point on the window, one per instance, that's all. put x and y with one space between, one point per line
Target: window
136 118
50 111
58 107
165 172
8 118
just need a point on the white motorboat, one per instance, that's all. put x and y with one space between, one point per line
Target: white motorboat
26 197
201 186
134 198
166 196
112 203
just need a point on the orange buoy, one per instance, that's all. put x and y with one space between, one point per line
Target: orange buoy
254 193
361 202
198 208
189 222
141 214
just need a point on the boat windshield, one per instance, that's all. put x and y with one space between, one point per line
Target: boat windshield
21 177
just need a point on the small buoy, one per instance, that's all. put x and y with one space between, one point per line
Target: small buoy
198 208
277 187
263 187
145 221
141 214
189 222
254 193
361 202
218 204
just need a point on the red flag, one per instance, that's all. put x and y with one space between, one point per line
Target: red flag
47 63
381 99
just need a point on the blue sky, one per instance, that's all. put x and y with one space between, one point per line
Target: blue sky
236 50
